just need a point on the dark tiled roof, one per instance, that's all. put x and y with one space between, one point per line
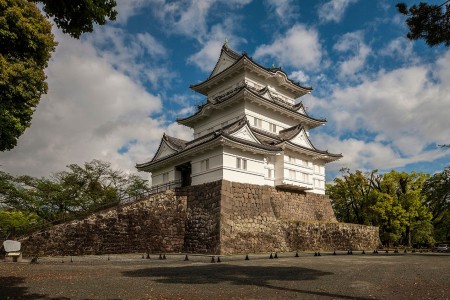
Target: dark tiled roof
291 132
177 144
258 93
238 57
266 133
224 132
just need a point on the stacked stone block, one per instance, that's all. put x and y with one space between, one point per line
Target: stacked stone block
219 217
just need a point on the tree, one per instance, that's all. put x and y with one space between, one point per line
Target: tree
392 201
428 22
78 191
351 196
27 43
437 192
26 46
77 17
401 208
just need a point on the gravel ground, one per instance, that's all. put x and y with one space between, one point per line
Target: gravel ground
129 276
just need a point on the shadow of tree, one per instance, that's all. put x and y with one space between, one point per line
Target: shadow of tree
266 277
11 288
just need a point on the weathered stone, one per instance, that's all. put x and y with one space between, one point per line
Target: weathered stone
217 218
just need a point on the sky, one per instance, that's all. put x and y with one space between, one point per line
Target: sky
113 93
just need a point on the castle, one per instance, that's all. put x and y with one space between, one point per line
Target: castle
249 181
250 130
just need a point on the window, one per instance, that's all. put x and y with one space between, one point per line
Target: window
241 163
292 174
165 177
272 127
257 122
205 164
303 177
291 159
320 184
269 173
316 169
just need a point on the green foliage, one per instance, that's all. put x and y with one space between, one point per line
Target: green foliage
26 45
428 22
393 201
77 17
437 192
78 191
15 219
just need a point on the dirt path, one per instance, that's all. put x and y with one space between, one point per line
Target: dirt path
383 276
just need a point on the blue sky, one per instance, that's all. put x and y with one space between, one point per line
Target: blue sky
113 93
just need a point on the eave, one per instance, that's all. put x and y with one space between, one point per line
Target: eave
245 63
250 95
315 154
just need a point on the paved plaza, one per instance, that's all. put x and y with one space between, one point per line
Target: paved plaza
130 276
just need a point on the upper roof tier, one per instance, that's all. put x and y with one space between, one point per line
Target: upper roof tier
231 63
263 97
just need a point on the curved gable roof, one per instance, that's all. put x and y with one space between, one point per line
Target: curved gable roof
239 62
244 88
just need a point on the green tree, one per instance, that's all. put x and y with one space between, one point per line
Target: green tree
437 192
428 22
392 201
404 216
26 46
78 191
77 17
352 196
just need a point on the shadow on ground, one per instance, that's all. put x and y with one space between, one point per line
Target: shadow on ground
11 287
266 277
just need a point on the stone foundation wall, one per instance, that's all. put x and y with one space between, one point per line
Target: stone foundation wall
263 219
153 224
203 218
220 217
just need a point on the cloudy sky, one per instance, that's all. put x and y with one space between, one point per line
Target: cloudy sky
113 93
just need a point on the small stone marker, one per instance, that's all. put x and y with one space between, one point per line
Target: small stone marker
11 246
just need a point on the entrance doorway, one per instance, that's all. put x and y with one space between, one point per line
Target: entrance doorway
186 171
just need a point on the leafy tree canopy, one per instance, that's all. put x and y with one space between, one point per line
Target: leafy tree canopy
26 45
392 201
78 191
428 22
77 17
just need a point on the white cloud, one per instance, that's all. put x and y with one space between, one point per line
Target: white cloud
399 48
206 58
299 76
403 111
369 155
352 43
128 8
285 10
129 54
299 47
333 10
208 55
90 111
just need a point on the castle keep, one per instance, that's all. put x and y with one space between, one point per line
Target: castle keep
249 130
250 181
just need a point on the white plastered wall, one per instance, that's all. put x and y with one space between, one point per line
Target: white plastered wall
252 111
255 172
221 118
213 173
157 176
